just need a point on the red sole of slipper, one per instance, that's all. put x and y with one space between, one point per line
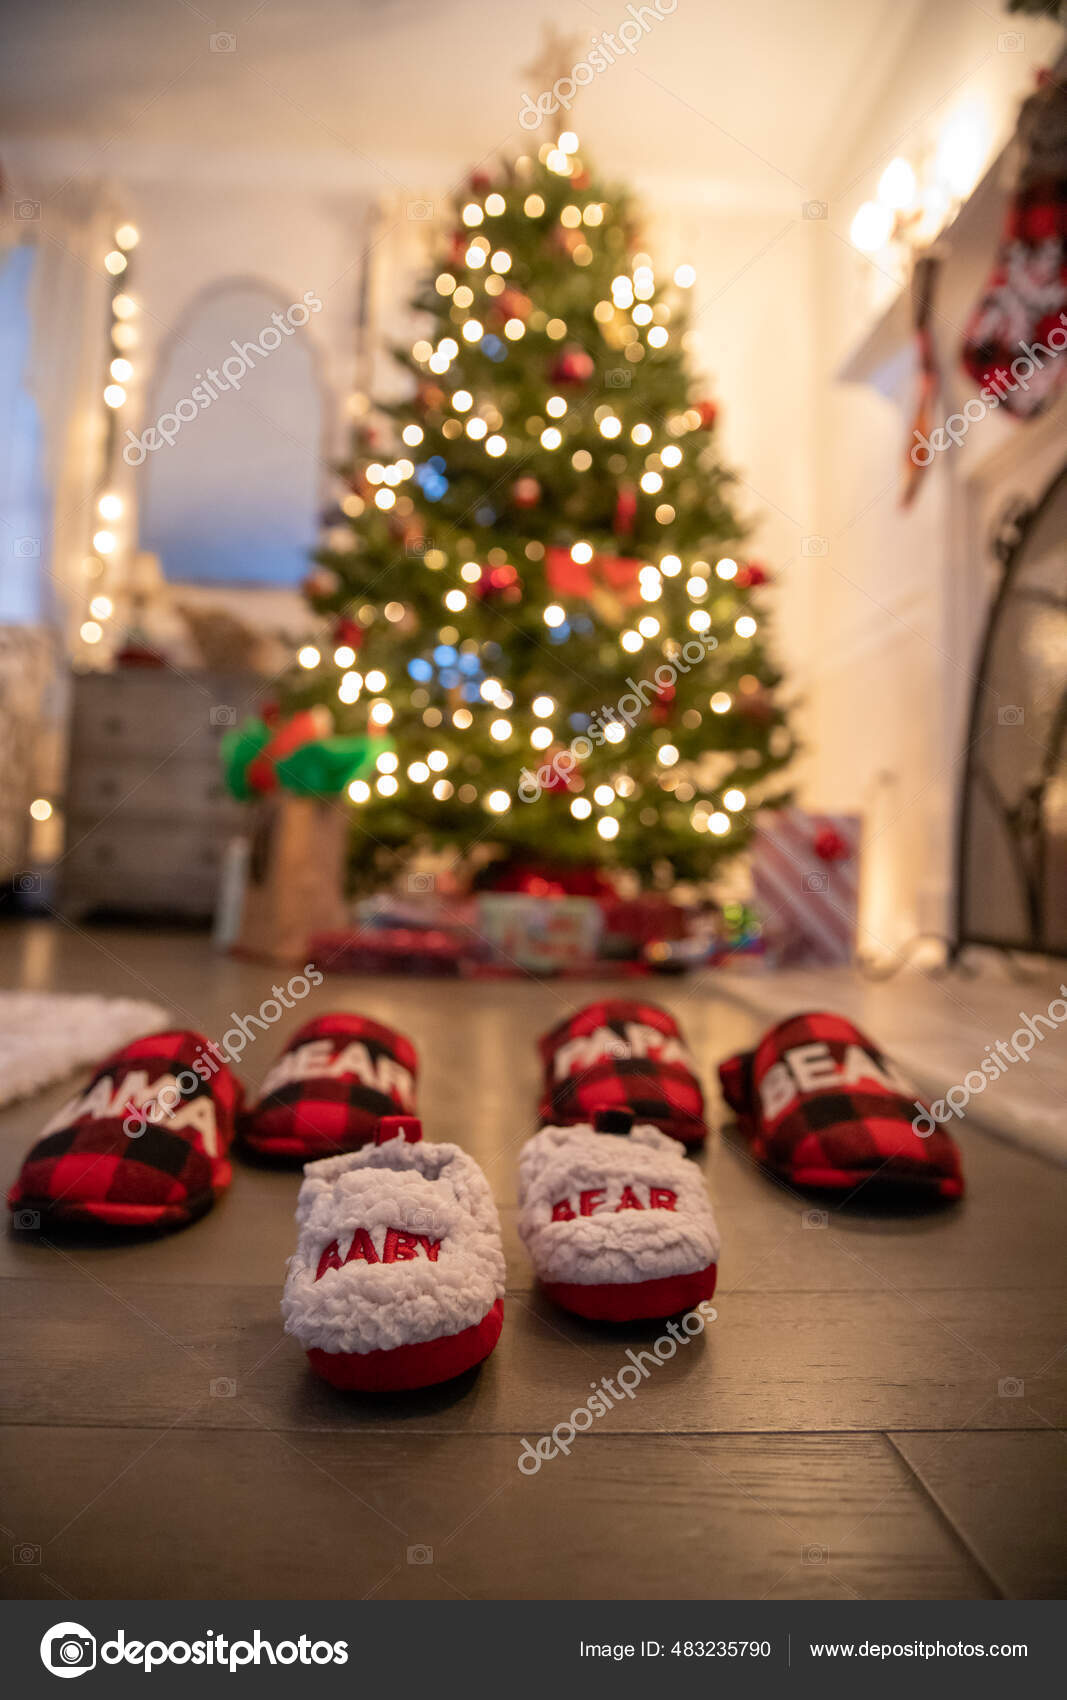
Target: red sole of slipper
634 1301
404 1368
848 1180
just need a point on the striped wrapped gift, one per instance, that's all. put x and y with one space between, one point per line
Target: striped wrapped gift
805 877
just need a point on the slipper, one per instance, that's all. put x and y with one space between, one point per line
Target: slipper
616 1220
143 1146
398 1277
622 1054
823 1107
326 1093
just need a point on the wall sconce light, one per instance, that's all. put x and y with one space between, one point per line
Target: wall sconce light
913 207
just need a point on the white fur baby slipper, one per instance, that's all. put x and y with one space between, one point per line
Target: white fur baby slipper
616 1220
398 1277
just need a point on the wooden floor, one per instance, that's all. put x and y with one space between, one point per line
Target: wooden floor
878 1411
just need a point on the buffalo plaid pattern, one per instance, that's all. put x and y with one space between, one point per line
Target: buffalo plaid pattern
822 1106
338 1075
90 1169
621 1054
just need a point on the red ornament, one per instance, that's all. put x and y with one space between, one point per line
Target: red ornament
512 304
751 575
709 412
572 366
348 632
479 180
625 510
500 583
320 582
458 246
614 573
830 846
526 492
429 397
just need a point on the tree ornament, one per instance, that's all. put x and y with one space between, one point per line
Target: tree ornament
512 304
709 412
572 366
625 510
348 632
526 492
320 583
750 575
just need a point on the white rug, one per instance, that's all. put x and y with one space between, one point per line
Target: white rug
44 1036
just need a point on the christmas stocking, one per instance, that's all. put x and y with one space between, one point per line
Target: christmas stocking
1025 301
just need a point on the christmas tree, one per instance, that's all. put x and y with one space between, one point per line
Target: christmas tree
535 591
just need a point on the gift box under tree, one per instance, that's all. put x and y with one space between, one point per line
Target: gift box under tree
805 877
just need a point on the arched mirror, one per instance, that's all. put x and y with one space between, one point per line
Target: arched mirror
1012 878
231 490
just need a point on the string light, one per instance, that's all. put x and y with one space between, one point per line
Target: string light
670 565
533 206
462 719
514 329
387 785
699 620
495 204
551 438
500 730
455 601
608 827
581 808
541 737
745 626
381 712
666 755
101 607
109 507
721 702
412 435
581 553
114 395
603 795
496 446
685 277
734 799
442 790
498 802
387 762
726 568
718 823
418 772
91 632
554 615
614 732
543 707
631 642
41 809
555 407
376 680
359 791
437 760
472 213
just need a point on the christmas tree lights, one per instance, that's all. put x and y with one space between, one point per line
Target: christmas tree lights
535 577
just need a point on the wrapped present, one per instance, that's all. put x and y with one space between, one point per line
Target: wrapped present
384 949
294 884
544 935
805 877
631 924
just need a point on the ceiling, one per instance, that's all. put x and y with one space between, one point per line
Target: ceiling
740 98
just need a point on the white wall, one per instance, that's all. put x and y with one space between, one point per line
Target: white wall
898 598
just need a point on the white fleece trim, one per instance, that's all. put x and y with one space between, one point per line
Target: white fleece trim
613 1246
434 1191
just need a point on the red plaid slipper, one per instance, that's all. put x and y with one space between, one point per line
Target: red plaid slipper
616 1220
823 1107
144 1146
622 1054
336 1077
398 1277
